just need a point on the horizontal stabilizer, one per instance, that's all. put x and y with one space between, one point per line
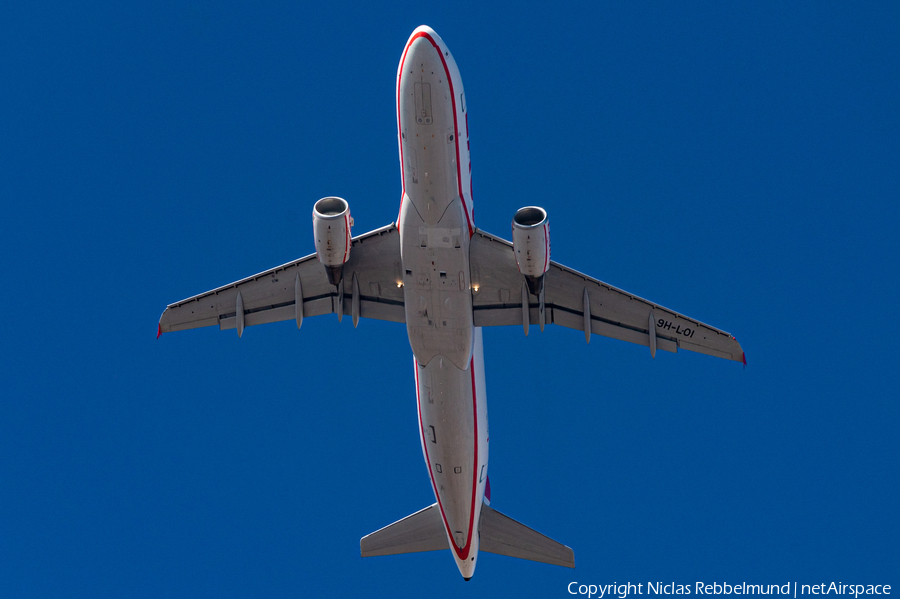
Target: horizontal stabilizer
422 531
502 535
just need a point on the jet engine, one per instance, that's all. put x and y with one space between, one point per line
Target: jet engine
531 244
331 226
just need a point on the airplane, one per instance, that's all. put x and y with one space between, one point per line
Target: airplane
445 279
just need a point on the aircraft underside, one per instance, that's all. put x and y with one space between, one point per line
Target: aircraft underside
445 279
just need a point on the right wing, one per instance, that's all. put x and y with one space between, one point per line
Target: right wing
369 290
580 302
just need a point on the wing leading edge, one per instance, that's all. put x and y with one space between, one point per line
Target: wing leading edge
576 301
369 290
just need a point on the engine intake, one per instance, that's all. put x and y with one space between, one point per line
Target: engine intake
531 244
331 228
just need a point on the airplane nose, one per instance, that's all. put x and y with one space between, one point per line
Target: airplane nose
423 58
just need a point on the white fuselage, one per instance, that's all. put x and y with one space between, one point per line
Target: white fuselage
436 224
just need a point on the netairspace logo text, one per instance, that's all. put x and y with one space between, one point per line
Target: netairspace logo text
791 589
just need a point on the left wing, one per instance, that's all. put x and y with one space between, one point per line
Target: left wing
300 288
577 301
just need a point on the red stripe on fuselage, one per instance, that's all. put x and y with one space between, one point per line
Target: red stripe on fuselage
464 552
455 127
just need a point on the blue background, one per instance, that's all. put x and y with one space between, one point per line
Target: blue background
737 162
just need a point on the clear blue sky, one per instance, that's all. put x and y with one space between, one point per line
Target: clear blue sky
737 162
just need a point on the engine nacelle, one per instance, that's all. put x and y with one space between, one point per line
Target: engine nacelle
531 244
331 227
